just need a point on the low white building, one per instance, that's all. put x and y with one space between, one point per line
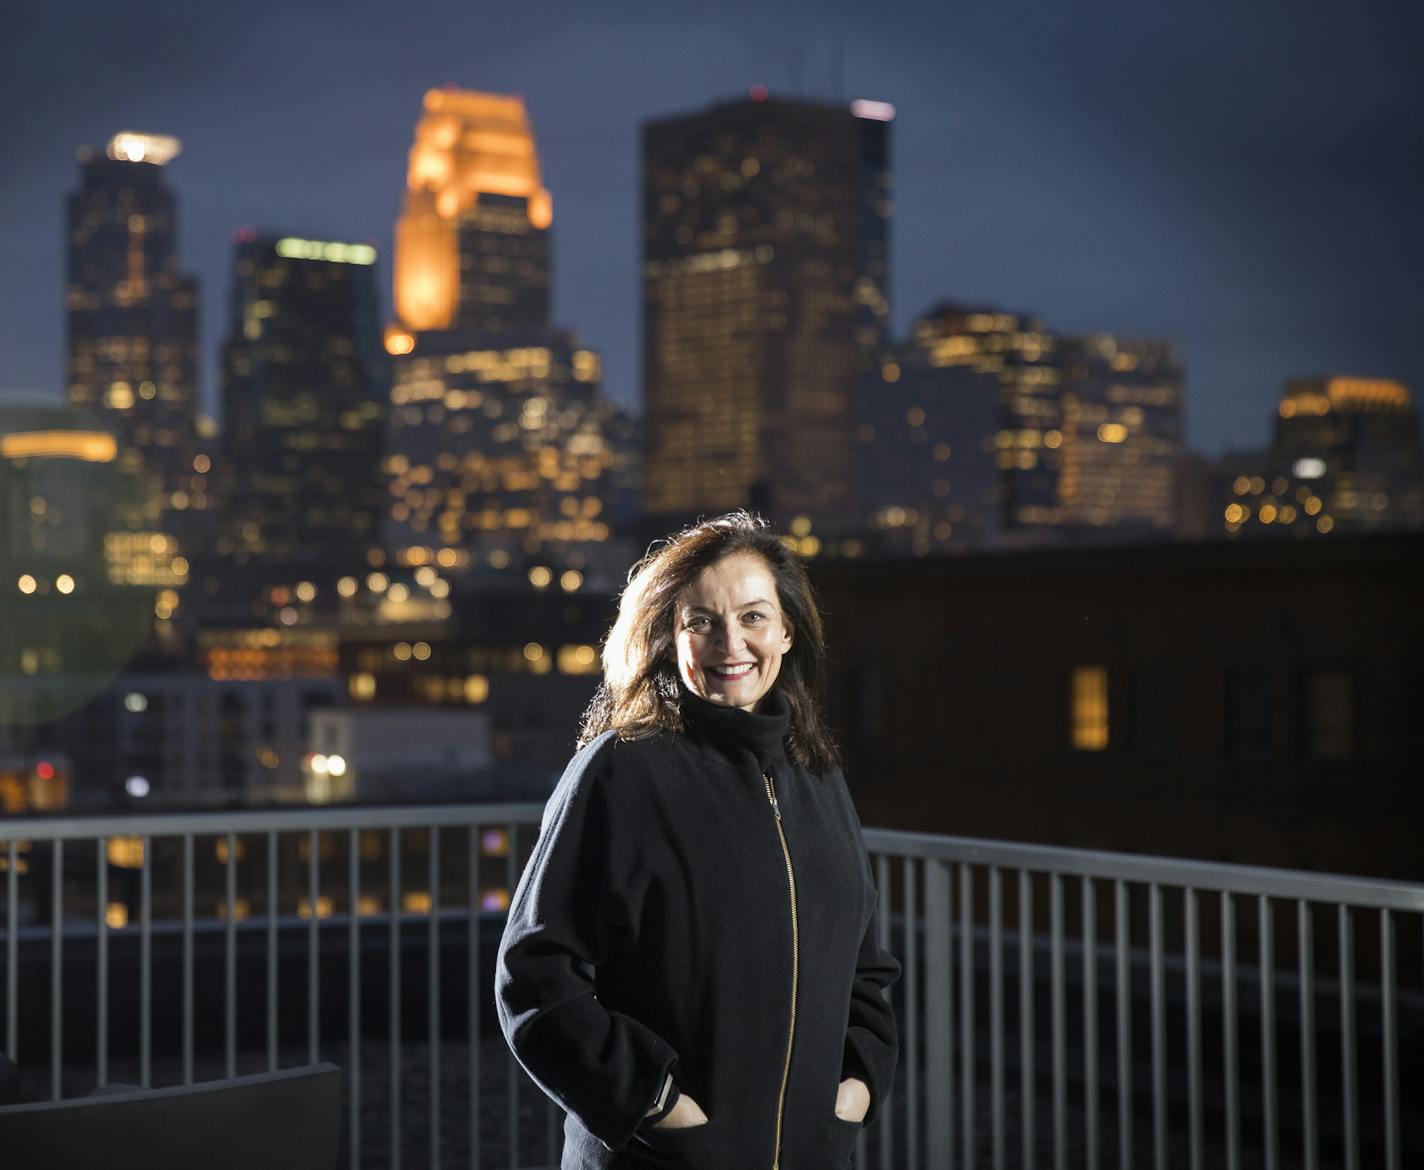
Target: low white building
397 754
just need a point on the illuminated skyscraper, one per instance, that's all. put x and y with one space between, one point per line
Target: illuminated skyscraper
765 278
303 403
1346 458
132 344
472 242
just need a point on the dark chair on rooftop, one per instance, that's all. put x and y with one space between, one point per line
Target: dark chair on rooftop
9 1080
285 1120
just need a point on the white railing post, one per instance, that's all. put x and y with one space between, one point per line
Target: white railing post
939 1039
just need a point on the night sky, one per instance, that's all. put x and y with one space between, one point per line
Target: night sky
1244 178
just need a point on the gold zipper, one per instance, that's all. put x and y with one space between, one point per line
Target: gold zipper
795 966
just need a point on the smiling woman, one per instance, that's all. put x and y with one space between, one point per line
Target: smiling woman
654 658
731 633
690 968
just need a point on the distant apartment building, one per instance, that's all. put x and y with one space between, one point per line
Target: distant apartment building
79 593
1122 437
1345 458
61 488
525 654
172 737
928 470
508 459
1193 498
985 429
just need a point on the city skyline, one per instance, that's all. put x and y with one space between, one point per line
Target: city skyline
1204 182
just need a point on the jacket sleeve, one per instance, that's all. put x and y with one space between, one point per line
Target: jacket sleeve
872 1041
602 1066
872 1044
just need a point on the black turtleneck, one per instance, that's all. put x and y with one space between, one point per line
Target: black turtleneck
734 731
658 928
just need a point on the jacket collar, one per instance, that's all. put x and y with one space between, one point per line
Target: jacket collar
736 733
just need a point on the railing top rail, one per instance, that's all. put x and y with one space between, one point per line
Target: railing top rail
1374 893
178 824
1367 892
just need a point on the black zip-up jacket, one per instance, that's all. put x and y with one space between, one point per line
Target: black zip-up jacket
655 930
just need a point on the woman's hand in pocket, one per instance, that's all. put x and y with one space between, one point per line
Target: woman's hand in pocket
686 1114
853 1100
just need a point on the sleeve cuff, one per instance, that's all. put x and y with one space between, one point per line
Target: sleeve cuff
665 1102
852 1065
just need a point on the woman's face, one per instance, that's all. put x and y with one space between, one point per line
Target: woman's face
730 632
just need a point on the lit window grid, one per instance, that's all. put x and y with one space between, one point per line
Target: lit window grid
535 459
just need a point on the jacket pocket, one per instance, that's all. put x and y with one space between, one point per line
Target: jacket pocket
835 1145
691 1147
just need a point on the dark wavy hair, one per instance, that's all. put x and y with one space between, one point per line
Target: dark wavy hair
640 694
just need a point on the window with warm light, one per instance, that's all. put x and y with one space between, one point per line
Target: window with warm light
125 852
323 908
1089 699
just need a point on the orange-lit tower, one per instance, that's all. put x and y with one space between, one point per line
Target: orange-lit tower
504 460
472 248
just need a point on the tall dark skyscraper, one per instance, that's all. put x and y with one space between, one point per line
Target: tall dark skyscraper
765 279
303 403
132 317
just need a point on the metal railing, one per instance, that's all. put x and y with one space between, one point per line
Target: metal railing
1045 1016
1177 1055
409 880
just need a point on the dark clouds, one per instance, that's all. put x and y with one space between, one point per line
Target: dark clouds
1242 178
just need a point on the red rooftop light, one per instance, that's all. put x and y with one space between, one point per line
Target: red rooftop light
758 93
